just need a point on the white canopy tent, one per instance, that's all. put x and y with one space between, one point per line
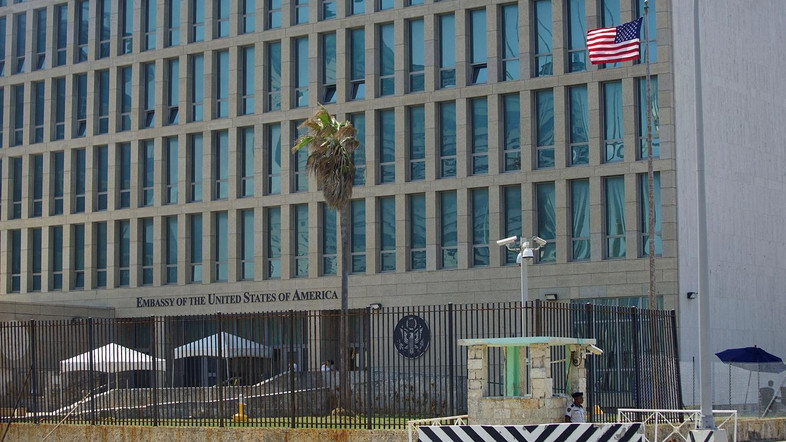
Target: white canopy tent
112 358
231 346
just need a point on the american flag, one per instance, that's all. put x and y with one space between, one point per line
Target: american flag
615 44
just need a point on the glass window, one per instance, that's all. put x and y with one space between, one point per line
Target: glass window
19 114
417 228
417 143
123 229
195 226
2 46
35 258
299 159
170 170
510 42
82 29
358 236
173 22
357 7
221 247
246 136
126 92
477 47
247 244
512 217
102 78
387 234
58 95
387 146
301 72
273 159
329 68
448 233
248 12
104 27
652 31
78 247
197 20
2 114
387 84
40 40
38 112
386 4
357 60
328 9
301 240
80 84
447 139
417 80
61 34
15 241
149 98
273 14
480 227
614 148
301 12
100 254
579 130
511 121
173 93
447 51
580 220
610 16
274 76
197 86
543 52
17 180
641 110
124 175
222 19
614 226
577 35
147 172
329 248
37 172
222 84
56 252
645 215
544 125
101 172
126 27
547 221
247 81
149 25
195 167
20 48
147 240
480 136
359 155
221 165
170 254
57 183
78 175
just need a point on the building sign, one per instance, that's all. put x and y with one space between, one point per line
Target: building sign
411 336
238 298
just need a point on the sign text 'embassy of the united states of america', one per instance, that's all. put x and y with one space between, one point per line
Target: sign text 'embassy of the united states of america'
244 298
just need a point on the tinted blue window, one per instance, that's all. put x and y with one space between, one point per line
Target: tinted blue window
387 147
387 226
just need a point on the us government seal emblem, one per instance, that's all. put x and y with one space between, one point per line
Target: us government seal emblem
411 337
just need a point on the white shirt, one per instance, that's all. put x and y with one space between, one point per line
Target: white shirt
575 413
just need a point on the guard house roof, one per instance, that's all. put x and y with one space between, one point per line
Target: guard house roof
525 342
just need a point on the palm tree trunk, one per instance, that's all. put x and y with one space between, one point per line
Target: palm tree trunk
344 339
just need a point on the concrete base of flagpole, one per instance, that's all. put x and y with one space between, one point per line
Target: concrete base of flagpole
714 435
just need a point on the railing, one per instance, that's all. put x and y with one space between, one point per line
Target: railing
412 426
678 422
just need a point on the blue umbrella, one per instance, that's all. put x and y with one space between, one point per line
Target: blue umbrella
753 359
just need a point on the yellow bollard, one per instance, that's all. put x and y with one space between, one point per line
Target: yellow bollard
240 416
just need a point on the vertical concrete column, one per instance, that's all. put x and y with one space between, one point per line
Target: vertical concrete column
540 371
577 376
477 377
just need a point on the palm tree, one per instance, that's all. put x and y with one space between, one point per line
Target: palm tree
331 144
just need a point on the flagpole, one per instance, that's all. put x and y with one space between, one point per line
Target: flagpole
650 202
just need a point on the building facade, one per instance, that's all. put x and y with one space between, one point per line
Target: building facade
146 160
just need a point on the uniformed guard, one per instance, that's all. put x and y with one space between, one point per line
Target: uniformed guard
575 412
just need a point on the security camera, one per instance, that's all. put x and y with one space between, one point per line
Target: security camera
540 241
595 350
506 241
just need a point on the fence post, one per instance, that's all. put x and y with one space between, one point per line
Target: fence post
219 370
680 404
538 316
89 325
367 365
634 313
590 365
153 354
291 362
451 361
33 369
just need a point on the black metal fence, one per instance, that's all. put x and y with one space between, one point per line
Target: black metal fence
401 364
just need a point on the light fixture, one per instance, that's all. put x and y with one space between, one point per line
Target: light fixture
375 306
692 295
551 296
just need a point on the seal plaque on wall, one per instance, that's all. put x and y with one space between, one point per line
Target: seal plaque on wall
411 337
